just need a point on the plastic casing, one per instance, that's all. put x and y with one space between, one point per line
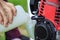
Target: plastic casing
49 11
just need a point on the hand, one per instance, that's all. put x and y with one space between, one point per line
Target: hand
7 12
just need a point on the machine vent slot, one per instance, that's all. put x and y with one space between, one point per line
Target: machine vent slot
44 0
59 0
41 12
43 3
42 9
42 6
57 16
58 10
57 13
59 7
57 21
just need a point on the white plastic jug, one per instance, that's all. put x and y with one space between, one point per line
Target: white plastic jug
21 18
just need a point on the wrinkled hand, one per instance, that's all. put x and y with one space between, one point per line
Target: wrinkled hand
7 12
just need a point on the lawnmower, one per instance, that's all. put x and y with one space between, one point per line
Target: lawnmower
47 15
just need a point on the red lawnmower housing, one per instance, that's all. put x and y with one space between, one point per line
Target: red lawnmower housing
51 10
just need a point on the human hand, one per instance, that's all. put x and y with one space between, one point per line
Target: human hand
7 12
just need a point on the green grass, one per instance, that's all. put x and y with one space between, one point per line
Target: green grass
23 3
2 36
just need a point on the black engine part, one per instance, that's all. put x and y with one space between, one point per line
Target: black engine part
44 30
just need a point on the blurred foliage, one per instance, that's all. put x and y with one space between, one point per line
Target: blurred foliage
2 36
23 3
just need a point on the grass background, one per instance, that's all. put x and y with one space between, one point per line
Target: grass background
23 3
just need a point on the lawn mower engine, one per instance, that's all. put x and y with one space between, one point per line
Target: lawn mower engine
47 15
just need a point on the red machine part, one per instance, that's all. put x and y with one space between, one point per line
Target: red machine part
49 9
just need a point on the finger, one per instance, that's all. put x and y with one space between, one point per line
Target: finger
1 0
1 22
4 16
12 7
9 12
